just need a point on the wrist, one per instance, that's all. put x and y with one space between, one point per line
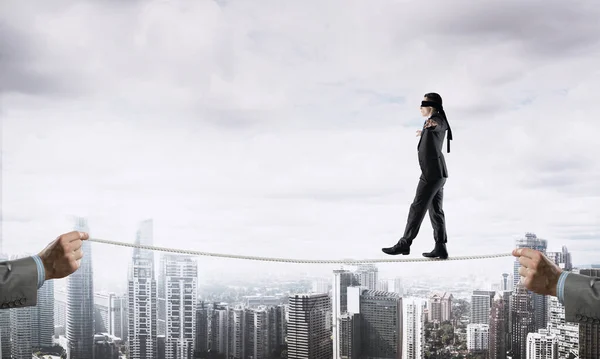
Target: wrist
47 266
555 283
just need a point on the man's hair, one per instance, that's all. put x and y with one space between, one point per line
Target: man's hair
432 96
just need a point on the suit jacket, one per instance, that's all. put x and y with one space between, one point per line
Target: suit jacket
431 159
582 298
18 283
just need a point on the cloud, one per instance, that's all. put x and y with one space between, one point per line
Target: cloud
288 128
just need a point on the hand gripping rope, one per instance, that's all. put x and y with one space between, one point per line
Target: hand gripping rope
289 260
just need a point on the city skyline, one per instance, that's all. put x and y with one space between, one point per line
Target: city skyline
238 129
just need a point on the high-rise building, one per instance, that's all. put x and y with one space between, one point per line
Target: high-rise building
481 303
43 317
237 333
539 302
278 327
522 321
439 307
350 336
111 312
562 258
499 326
141 299
219 333
321 286
180 280
414 328
201 340
309 333
567 333
542 345
4 314
478 337
342 279
80 303
5 351
21 327
259 338
589 333
506 284
368 276
381 325
60 311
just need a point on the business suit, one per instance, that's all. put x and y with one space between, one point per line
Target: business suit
19 282
430 190
581 297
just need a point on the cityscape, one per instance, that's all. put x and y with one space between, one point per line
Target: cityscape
351 314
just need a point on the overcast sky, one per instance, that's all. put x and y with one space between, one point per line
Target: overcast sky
287 128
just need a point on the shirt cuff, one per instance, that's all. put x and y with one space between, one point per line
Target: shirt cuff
40 269
560 287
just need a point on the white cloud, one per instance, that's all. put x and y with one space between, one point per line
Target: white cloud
287 129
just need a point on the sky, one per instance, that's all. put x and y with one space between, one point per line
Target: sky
287 129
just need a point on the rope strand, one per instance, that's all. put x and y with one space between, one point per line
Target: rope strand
289 260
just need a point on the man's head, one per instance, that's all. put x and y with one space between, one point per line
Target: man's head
431 104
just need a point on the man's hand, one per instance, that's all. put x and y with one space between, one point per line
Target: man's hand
419 133
430 123
539 274
62 257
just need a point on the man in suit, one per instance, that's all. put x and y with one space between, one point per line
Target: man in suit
580 294
20 279
430 190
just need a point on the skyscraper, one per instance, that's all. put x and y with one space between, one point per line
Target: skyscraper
201 339
368 276
21 326
542 345
141 298
414 328
439 307
309 335
539 302
180 274
342 279
499 339
481 303
42 329
478 337
567 333
522 321
80 303
381 325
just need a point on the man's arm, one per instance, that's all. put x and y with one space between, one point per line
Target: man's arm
581 297
19 282
436 124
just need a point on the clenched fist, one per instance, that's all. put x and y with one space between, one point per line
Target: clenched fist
62 257
539 274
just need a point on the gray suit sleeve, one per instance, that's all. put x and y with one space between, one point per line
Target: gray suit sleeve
582 298
18 283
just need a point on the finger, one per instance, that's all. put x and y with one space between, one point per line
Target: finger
524 272
78 254
527 262
71 236
526 252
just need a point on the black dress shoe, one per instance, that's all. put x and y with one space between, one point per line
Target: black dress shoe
438 252
399 248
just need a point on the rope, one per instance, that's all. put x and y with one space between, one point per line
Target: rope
288 260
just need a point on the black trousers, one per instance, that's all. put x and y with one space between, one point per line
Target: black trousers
429 197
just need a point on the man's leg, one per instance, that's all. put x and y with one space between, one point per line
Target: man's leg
436 215
426 191
438 222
